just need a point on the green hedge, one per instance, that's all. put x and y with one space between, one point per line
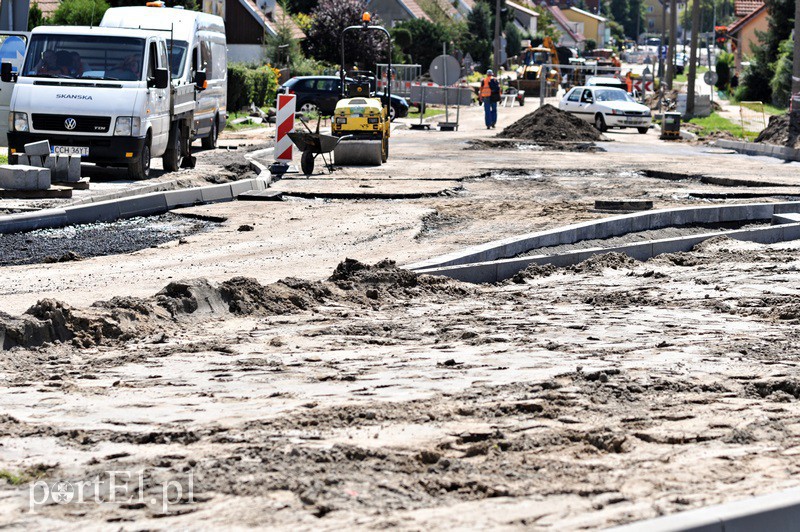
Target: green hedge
247 84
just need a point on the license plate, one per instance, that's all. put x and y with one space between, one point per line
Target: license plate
83 151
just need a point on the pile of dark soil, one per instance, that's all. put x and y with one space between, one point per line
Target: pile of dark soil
778 132
549 125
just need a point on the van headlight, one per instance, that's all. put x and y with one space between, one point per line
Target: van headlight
18 121
128 126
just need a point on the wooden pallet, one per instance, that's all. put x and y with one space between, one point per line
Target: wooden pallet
54 192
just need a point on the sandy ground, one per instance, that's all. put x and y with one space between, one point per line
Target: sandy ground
580 398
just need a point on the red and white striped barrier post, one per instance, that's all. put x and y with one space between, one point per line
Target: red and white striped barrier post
285 123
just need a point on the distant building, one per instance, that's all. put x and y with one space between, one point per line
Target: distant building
591 26
392 12
744 33
524 17
570 34
654 16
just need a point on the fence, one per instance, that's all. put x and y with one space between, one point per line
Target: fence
402 78
752 116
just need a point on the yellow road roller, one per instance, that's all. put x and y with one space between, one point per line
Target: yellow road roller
361 117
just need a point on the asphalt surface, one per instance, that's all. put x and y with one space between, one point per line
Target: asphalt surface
92 240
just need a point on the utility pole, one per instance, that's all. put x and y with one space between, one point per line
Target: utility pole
693 58
663 52
673 37
794 120
497 38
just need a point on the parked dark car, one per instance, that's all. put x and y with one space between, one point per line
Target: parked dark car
320 94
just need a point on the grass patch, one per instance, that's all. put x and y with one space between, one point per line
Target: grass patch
3 159
230 126
716 123
30 474
768 109
15 479
429 111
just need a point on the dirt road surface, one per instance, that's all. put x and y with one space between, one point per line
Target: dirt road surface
367 397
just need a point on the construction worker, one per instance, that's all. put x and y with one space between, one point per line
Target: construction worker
615 61
490 95
629 81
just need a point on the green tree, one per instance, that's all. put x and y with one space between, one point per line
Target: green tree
79 13
282 49
330 18
756 80
477 40
781 82
426 40
513 39
35 17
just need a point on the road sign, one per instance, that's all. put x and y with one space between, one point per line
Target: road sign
445 70
710 78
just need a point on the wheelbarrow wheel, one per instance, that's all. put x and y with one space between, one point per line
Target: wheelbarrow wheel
307 162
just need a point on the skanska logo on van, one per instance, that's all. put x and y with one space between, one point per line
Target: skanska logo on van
73 97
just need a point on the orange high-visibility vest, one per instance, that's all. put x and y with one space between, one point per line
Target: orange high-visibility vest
486 91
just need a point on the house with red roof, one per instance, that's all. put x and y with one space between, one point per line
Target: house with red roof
744 32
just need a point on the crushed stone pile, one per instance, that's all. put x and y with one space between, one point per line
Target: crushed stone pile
124 318
550 125
778 132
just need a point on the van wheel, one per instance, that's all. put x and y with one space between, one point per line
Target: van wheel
210 142
140 167
172 157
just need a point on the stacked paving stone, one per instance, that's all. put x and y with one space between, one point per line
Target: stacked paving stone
37 168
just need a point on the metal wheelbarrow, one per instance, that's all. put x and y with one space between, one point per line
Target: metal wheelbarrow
312 144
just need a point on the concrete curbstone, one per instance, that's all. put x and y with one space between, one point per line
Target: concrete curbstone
107 211
22 177
183 198
41 147
30 221
153 203
62 165
74 168
237 187
216 193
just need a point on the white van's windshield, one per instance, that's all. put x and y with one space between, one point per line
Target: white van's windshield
84 57
177 54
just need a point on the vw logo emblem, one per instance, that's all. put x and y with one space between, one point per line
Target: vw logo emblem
70 124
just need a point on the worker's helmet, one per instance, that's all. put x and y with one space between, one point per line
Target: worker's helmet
490 72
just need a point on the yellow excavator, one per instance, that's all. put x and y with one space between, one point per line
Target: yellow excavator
361 118
529 73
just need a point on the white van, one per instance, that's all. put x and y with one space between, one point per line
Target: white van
102 93
197 44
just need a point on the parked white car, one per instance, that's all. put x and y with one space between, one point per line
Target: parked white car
606 107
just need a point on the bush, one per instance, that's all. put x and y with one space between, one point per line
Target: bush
725 61
248 85
78 13
781 82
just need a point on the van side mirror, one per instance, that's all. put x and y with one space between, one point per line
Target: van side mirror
162 78
5 72
200 80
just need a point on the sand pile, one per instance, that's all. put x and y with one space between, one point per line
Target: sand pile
548 125
125 318
777 132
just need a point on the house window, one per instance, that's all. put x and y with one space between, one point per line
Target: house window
649 9
651 24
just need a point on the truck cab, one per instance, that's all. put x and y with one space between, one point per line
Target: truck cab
197 45
100 93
